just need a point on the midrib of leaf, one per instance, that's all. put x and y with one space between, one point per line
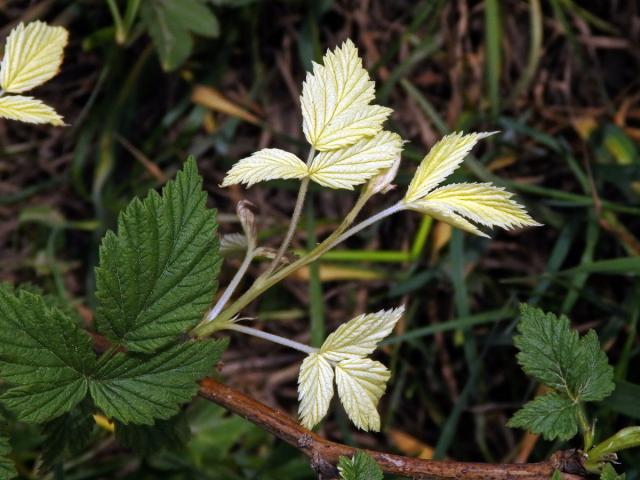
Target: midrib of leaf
335 112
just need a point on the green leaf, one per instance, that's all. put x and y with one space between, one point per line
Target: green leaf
170 23
551 415
69 432
360 467
555 355
7 469
165 434
557 475
609 473
158 274
139 389
45 357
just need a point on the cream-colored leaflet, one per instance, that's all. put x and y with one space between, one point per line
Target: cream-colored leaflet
266 164
483 203
315 389
360 336
28 109
446 214
335 101
361 382
357 163
445 157
32 55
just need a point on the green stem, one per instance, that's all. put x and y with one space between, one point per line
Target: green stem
586 428
263 283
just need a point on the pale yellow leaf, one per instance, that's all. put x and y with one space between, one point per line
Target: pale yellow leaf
445 213
440 162
335 101
266 164
360 335
482 203
32 55
357 163
361 382
28 109
315 389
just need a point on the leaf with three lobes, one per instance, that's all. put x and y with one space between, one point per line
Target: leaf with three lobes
551 415
46 358
360 467
555 355
335 101
158 274
140 389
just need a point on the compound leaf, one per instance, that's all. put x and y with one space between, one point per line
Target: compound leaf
360 467
46 357
554 354
158 274
551 415
140 389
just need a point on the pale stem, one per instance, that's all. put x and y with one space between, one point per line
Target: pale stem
235 281
272 338
368 222
295 218
263 283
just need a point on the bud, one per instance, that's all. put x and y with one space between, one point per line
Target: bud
245 211
381 183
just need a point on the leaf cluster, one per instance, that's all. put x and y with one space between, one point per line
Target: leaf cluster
156 277
574 368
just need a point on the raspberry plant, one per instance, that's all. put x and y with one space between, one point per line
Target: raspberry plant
157 278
